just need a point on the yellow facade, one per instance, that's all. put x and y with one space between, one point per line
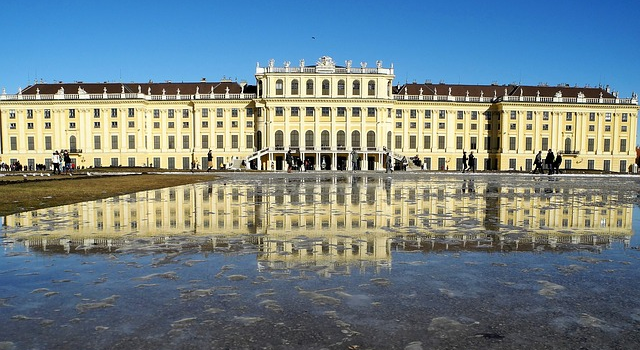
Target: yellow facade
322 112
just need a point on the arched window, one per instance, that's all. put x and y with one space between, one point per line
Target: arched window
371 140
294 87
341 140
279 87
356 87
258 139
389 136
355 139
295 139
72 143
308 139
567 145
279 141
324 140
341 87
325 87
309 87
371 88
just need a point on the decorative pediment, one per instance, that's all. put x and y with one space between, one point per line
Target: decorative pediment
325 65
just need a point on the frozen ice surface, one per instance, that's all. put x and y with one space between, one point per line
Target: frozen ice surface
340 261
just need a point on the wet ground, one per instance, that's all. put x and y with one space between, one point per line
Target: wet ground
346 261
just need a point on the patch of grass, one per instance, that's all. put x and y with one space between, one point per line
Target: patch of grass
33 193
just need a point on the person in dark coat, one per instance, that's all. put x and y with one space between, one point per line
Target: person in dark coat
548 161
464 161
472 162
556 163
538 163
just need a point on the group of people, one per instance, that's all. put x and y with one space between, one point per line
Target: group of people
58 159
471 165
551 162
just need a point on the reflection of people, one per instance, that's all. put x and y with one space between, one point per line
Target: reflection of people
209 160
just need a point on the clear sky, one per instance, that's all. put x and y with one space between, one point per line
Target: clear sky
584 42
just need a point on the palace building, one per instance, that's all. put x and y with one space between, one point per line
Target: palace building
327 114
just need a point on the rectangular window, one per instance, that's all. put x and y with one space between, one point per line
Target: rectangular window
97 162
156 125
185 141
29 125
234 123
545 115
398 113
607 128
249 139
371 112
171 125
31 143
185 113
591 164
249 124
219 112
487 143
114 141
171 142
29 113
171 113
474 115
427 114
607 145
97 144
47 114
205 141
72 113
590 145
114 162
295 111
512 126
513 115
474 142
529 115
427 125
413 113
131 124
545 127
12 125
592 127
441 125
460 115
398 141
487 115
309 112
569 117
459 126
342 111
47 125
156 142
398 125
72 125
529 126
250 111
131 113
568 127
132 141
442 114
412 125
355 112
219 124
441 142
512 143
625 117
220 141
114 112
96 113
205 113
325 111
592 117
279 111
13 143
185 125
234 112
234 141
156 113
413 140
427 142
459 142
205 124
528 144
545 143
607 117
623 145
114 124
47 143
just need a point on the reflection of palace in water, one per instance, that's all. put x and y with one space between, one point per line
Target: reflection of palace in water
337 220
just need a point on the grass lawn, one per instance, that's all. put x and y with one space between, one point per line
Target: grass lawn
18 194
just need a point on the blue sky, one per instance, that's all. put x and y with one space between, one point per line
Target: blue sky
470 42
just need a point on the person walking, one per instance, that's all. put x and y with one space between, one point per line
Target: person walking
289 160
67 162
464 161
556 163
55 159
538 163
389 163
548 161
209 161
472 162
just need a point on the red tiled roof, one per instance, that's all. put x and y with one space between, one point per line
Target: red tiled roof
488 90
155 88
